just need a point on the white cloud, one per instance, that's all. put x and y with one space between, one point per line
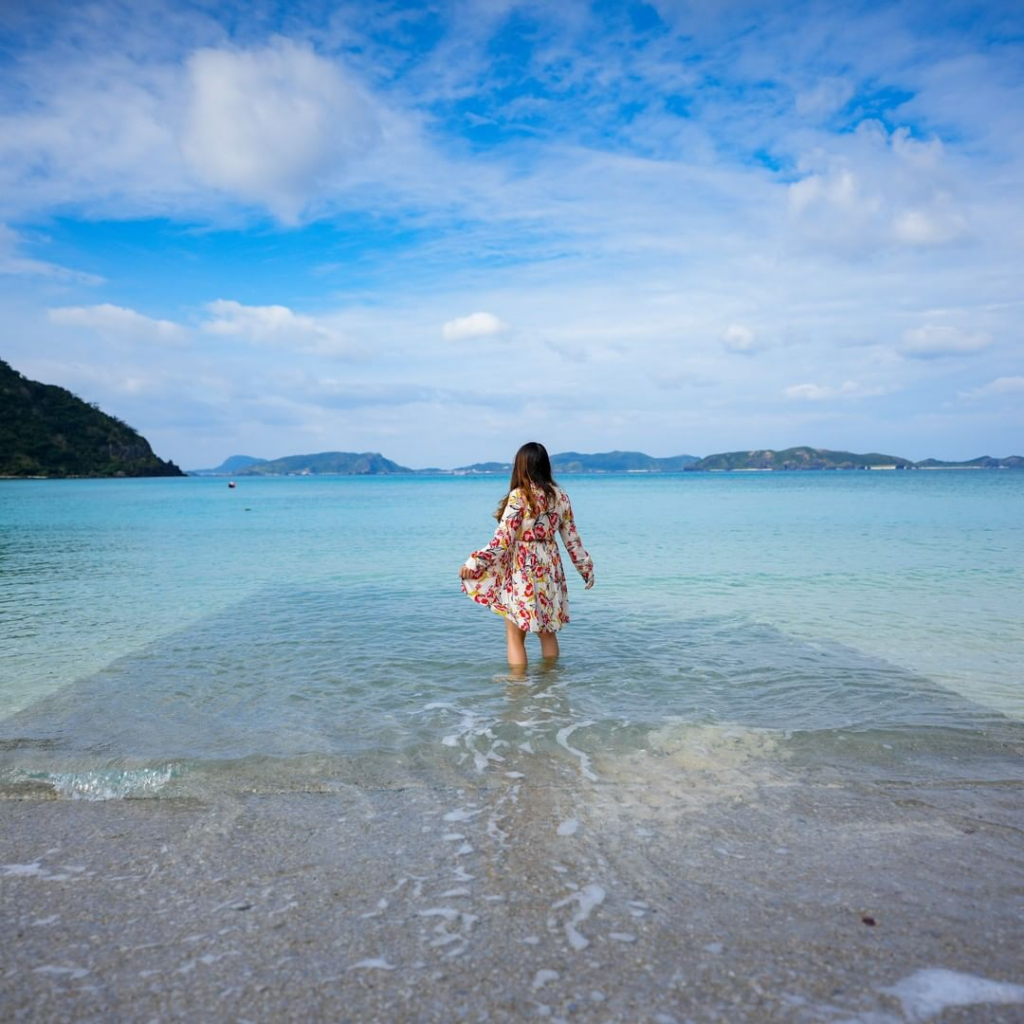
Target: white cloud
820 392
119 322
871 189
12 262
274 125
999 386
933 342
476 325
134 125
835 207
277 327
737 338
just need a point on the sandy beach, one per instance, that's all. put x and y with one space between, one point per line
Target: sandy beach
733 891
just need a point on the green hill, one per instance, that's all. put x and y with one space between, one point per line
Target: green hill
601 462
334 463
46 431
798 458
618 462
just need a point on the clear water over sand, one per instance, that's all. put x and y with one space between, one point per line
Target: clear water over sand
174 624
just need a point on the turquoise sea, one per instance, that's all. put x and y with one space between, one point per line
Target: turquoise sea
160 637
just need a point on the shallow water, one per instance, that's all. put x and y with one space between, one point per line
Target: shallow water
159 628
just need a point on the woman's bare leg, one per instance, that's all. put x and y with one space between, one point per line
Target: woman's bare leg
516 642
549 645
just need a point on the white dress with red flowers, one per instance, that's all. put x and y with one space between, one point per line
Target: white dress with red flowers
519 574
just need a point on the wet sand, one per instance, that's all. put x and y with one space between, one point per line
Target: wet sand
650 893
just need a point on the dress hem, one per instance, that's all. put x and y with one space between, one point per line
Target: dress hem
504 613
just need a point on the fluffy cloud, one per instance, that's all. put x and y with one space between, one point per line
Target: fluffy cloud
820 392
274 125
873 189
120 323
476 325
149 126
267 326
275 326
837 192
933 342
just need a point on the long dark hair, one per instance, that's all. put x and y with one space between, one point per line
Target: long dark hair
531 469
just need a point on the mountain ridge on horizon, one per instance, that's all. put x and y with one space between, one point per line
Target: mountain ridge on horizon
801 457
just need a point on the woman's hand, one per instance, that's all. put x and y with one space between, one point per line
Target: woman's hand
589 583
465 573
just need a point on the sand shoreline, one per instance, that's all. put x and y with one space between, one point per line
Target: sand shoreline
525 897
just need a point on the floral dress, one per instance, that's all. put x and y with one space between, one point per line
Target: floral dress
519 574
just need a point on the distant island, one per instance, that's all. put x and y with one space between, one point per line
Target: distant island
324 463
822 458
602 462
374 464
799 458
568 463
46 431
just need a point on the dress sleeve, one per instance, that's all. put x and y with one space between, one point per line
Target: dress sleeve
571 538
504 535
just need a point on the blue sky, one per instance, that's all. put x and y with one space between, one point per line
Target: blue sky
440 230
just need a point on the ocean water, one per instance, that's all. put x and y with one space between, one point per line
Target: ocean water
169 637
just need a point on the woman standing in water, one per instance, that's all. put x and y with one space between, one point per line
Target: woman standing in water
519 574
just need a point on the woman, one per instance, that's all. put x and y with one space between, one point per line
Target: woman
519 574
